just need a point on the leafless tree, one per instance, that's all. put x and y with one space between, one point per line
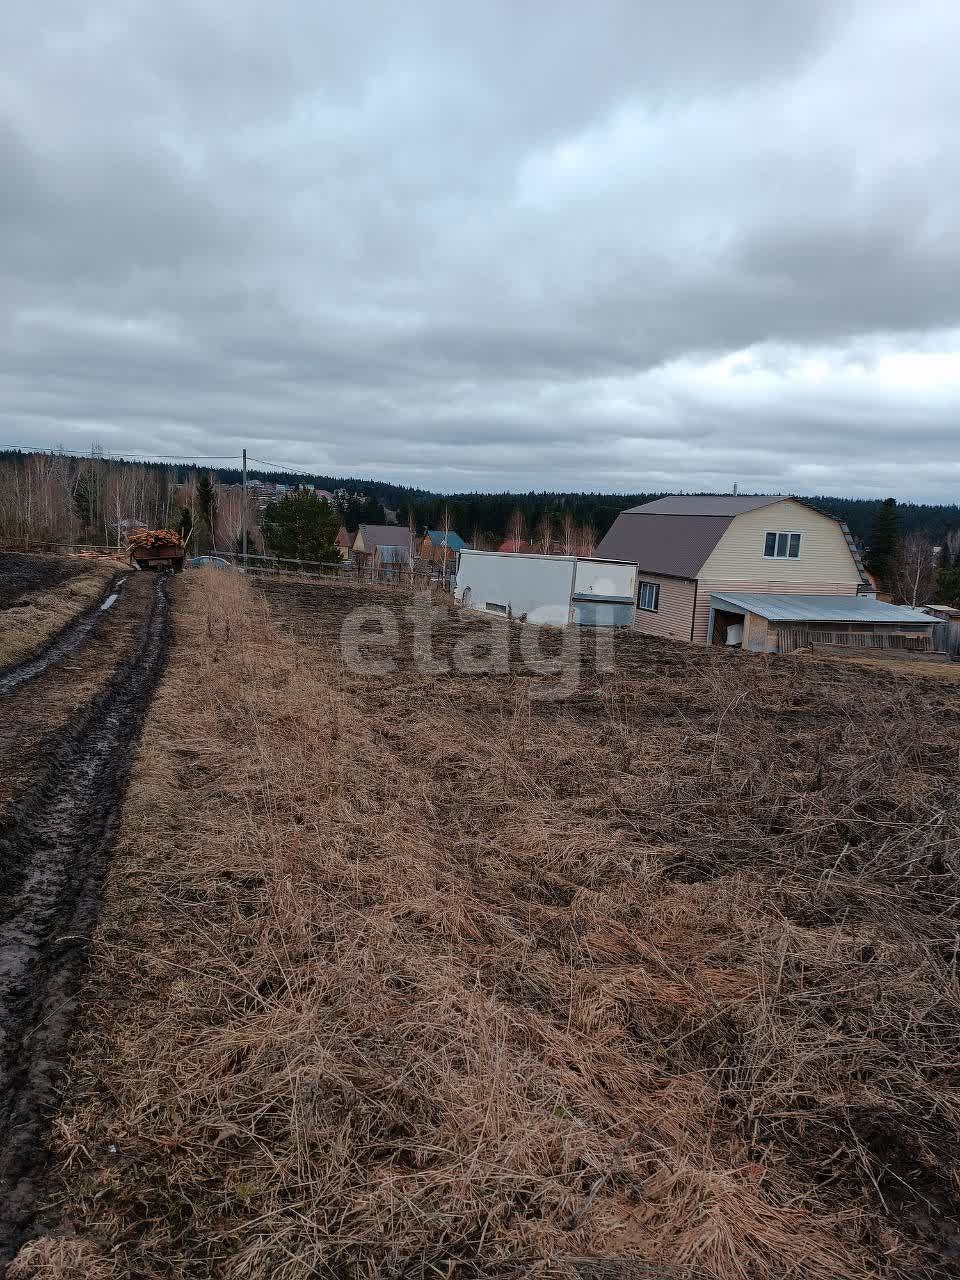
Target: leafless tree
568 534
412 539
586 540
517 528
544 537
913 575
445 552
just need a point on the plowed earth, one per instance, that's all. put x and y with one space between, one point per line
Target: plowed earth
67 730
24 575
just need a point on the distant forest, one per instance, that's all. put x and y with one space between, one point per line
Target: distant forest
492 513
491 516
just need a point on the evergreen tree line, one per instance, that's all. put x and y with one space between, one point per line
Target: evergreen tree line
53 496
905 562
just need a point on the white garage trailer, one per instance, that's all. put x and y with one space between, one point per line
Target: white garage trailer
550 590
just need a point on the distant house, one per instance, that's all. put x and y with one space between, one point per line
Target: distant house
946 631
344 541
517 546
264 492
371 536
438 547
703 561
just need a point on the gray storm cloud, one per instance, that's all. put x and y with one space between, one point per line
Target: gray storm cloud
614 246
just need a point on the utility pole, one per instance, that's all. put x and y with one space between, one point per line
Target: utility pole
243 511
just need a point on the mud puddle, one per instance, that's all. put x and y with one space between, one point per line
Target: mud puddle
68 641
54 851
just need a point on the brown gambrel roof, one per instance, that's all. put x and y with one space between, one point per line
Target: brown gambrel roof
709 504
384 535
675 536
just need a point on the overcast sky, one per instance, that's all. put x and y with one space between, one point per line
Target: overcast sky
480 244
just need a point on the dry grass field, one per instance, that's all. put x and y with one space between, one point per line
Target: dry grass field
411 975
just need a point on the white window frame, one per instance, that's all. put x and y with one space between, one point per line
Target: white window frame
777 534
649 608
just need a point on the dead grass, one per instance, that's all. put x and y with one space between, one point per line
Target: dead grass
29 626
413 977
948 671
63 1257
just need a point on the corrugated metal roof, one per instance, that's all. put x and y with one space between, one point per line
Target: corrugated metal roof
381 535
454 541
788 608
709 504
675 547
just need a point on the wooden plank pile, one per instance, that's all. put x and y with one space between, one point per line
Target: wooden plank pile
154 539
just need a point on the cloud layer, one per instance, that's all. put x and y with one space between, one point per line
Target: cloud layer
615 246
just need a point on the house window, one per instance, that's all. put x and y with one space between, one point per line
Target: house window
649 596
781 546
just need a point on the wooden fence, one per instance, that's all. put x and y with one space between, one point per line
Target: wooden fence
792 638
366 570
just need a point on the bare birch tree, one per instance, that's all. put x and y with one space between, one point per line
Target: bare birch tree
517 529
568 534
585 540
913 575
412 541
544 537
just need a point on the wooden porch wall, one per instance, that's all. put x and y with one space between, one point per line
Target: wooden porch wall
792 638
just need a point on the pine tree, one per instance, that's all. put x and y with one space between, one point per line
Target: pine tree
884 540
207 504
301 526
84 500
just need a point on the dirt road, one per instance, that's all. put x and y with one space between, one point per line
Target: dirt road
68 738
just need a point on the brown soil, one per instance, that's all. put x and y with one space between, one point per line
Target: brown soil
65 746
25 575
42 596
34 710
419 975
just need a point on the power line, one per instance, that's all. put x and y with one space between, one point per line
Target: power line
162 457
174 457
286 466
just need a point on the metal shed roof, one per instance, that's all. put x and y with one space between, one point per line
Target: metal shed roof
788 608
453 540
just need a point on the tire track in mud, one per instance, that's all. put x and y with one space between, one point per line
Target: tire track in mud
65 642
54 852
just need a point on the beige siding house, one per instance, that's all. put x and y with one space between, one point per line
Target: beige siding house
689 548
674 601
